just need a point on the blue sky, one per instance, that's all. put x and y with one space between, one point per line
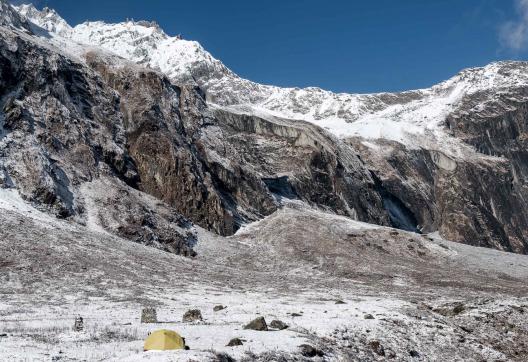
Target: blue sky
344 46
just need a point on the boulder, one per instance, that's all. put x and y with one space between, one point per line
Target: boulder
377 348
310 351
193 315
276 324
219 307
235 342
78 326
450 310
258 324
414 354
149 315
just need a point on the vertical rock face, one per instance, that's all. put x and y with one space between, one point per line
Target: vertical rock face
298 160
220 169
476 197
61 130
58 124
498 129
175 143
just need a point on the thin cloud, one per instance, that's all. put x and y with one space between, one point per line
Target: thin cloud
513 35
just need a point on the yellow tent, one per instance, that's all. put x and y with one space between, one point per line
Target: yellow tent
164 339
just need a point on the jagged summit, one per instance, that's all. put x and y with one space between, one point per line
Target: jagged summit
47 19
399 117
9 17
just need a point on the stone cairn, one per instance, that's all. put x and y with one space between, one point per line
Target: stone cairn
78 326
148 315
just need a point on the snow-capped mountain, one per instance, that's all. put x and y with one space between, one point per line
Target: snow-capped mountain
47 19
11 18
402 159
415 118
137 171
394 116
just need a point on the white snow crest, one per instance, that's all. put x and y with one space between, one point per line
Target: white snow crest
414 118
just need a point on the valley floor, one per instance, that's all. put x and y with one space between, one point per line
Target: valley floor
353 291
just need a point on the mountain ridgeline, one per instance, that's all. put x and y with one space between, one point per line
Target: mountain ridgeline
128 130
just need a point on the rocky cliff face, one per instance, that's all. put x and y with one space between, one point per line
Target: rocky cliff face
470 201
62 128
171 122
222 169
78 138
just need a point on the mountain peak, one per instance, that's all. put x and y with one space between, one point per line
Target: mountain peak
47 19
404 114
9 17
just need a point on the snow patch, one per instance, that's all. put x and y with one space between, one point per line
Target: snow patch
11 200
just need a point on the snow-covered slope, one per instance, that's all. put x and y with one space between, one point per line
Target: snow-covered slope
10 17
47 19
394 116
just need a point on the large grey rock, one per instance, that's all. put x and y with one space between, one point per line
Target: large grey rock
235 342
257 324
277 324
78 326
149 315
193 315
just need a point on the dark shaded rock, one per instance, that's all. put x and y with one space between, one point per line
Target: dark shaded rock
321 169
339 302
235 342
217 308
414 354
377 348
258 324
78 326
66 130
450 310
466 329
296 314
193 315
368 316
276 324
310 351
430 185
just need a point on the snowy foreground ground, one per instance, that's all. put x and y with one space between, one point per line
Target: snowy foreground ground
351 290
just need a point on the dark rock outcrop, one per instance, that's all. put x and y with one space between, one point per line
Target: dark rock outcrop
62 129
277 324
235 342
474 200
